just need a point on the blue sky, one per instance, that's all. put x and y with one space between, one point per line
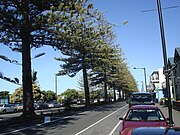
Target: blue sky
139 39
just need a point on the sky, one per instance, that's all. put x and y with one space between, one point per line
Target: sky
139 39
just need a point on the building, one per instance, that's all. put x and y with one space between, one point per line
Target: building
171 66
175 69
4 100
157 79
174 76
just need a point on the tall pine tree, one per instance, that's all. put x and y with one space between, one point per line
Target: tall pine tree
28 23
85 34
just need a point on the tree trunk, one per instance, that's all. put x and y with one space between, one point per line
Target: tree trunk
105 87
28 109
120 94
86 88
123 93
114 91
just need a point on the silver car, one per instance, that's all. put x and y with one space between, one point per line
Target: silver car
6 108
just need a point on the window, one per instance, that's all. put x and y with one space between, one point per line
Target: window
144 115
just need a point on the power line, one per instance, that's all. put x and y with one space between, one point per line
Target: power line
157 9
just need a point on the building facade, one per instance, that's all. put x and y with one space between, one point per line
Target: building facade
157 81
175 74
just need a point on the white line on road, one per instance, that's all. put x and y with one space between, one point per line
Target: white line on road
116 126
99 121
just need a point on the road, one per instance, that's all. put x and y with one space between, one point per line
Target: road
38 112
101 120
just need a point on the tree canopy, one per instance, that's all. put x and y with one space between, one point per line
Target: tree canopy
26 24
70 94
75 28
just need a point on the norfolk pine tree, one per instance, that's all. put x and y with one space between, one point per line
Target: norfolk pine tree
26 24
85 33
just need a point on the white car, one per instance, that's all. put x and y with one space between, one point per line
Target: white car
54 105
6 108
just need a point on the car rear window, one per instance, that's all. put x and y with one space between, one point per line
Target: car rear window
145 115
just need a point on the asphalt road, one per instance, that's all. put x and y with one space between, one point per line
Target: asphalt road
101 120
38 112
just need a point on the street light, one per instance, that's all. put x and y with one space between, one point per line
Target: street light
144 76
56 84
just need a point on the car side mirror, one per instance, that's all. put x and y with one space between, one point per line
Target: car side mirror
121 118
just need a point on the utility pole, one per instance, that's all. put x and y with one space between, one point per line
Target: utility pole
166 73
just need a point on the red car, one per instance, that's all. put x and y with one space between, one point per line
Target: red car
143 116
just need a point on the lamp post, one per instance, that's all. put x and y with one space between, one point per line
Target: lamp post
56 85
144 77
165 63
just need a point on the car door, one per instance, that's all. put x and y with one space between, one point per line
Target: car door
9 108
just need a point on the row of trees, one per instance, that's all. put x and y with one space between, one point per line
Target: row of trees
48 96
76 29
38 95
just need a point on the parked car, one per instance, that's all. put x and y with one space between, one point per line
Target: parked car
141 98
152 131
143 116
19 107
40 106
80 101
6 108
54 104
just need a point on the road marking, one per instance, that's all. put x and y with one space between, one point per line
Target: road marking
116 126
38 125
99 121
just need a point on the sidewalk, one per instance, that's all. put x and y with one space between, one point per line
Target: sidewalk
176 114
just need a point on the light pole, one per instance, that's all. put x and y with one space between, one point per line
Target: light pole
144 77
166 73
56 85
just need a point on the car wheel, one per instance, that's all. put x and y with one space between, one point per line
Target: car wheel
15 110
4 111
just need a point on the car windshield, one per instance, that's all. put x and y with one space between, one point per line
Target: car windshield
142 98
144 115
